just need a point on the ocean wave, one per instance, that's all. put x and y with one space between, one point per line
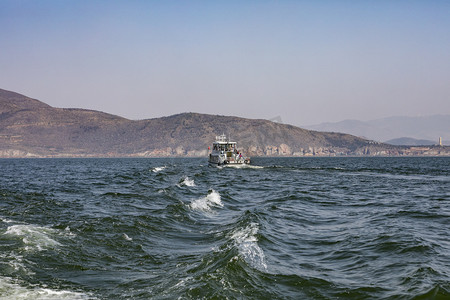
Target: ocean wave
158 169
126 237
260 234
6 220
14 264
186 181
247 242
436 292
11 290
35 238
207 203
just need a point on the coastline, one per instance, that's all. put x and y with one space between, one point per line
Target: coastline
392 151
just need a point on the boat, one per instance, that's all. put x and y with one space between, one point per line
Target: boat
224 152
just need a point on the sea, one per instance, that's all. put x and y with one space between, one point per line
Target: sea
177 228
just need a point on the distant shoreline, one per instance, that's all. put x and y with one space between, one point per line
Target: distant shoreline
30 128
444 153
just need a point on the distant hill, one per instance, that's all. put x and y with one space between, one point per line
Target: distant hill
422 128
11 102
406 141
31 128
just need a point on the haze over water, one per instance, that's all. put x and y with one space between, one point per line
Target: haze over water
306 61
284 228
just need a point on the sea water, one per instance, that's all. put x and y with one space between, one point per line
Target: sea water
281 228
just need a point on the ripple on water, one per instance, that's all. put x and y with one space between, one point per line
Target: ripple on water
207 203
285 228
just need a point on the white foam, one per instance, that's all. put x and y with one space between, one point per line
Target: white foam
187 182
15 263
158 169
10 290
207 203
183 282
243 166
34 237
126 237
247 242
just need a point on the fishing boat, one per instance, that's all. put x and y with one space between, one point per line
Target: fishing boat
224 152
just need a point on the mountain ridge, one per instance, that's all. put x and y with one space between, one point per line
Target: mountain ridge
420 128
406 141
31 128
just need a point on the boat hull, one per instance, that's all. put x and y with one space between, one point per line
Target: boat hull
224 152
216 160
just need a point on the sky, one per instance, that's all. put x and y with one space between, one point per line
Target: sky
306 62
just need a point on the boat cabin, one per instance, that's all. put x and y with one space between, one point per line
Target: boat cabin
225 152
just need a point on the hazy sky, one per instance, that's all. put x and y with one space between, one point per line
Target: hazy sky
305 61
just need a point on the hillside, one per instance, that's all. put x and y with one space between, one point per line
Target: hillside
31 128
405 141
385 129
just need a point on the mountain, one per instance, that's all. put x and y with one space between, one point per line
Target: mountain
31 128
422 128
405 141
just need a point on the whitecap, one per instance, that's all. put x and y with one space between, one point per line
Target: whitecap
243 166
34 237
15 263
126 237
158 169
6 220
183 282
187 182
246 241
213 199
13 290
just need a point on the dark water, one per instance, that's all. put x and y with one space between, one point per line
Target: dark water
304 228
